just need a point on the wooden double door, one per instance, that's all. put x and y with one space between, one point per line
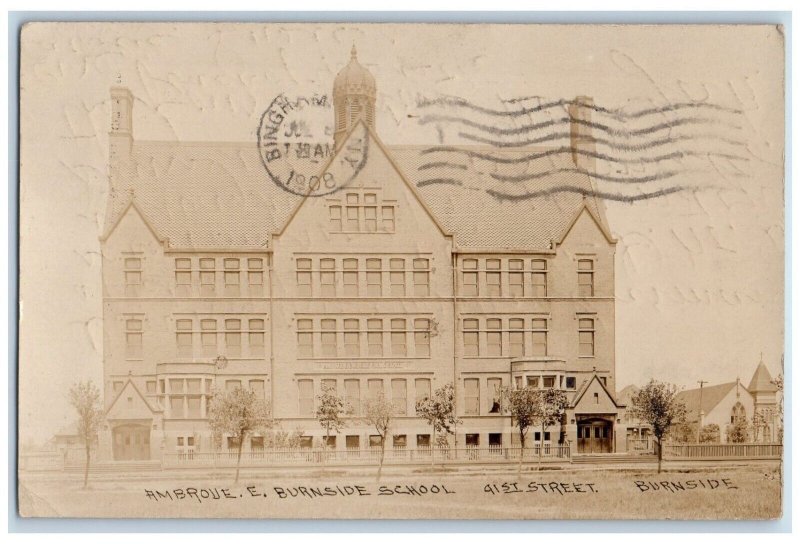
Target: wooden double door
131 442
595 436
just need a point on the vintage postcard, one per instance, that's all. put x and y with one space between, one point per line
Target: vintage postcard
401 271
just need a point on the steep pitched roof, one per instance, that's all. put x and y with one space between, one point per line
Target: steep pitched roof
625 396
218 195
712 396
762 380
585 387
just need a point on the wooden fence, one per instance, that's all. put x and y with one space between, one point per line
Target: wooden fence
723 451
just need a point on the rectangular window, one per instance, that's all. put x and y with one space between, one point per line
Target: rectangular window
398 337
533 382
517 382
256 336
183 276
399 441
493 288
494 391
548 382
328 337
397 277
374 278
176 407
335 213
183 335
471 343
352 442
231 276
352 397
515 278
193 406
305 338
494 338
350 277
375 337
118 387
232 385
255 277
233 337
387 218
208 337
133 276
150 387
422 338
586 337
585 278
327 277
471 397
133 338
257 387
422 389
516 337
208 277
370 214
421 278
469 277
539 277
352 338
399 396
306 395
352 213
539 337
374 388
570 384
304 277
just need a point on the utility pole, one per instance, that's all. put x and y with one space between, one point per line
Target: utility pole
700 410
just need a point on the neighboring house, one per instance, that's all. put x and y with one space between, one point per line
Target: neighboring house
727 403
401 282
639 433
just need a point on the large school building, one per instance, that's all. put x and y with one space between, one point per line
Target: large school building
399 280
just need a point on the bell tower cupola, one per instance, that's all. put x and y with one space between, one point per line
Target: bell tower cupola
353 98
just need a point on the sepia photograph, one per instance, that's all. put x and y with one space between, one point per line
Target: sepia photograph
401 271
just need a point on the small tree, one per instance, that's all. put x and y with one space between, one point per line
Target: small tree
378 412
683 432
738 432
526 409
330 413
656 405
85 398
440 413
237 413
709 434
554 404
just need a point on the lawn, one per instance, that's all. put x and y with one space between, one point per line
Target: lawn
733 492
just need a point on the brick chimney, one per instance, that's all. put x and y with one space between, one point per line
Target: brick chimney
580 132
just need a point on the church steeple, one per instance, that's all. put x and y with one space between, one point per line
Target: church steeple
353 98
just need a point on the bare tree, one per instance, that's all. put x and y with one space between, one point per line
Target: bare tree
237 414
525 407
656 405
85 398
330 413
440 413
378 412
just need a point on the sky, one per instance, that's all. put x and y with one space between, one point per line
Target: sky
699 273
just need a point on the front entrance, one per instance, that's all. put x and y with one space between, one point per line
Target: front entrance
131 442
595 436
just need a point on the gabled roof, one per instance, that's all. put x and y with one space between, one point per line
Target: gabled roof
218 195
762 380
712 396
130 382
585 387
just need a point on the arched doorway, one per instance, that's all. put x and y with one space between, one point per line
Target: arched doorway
131 442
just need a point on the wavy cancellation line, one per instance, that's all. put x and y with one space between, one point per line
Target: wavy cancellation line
566 121
674 155
618 197
615 113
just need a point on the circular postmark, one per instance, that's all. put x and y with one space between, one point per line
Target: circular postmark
295 143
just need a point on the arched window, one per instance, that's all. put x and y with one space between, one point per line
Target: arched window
738 414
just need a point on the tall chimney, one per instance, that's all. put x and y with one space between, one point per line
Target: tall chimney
121 135
580 132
